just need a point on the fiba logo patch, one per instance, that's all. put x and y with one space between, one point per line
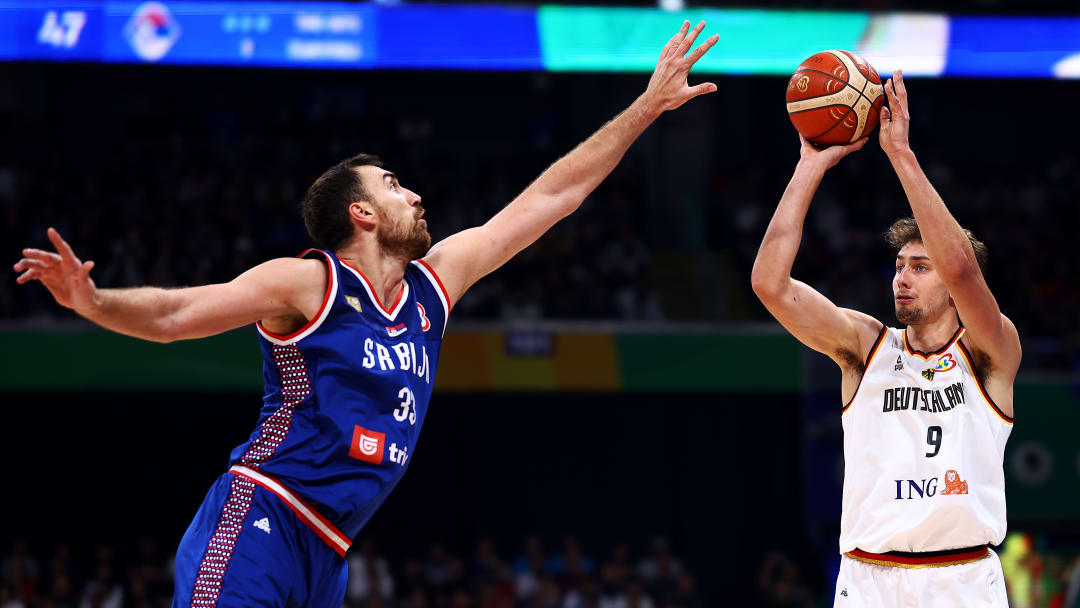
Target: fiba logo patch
355 303
424 323
367 445
152 31
945 363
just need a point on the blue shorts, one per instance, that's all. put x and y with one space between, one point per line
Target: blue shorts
247 547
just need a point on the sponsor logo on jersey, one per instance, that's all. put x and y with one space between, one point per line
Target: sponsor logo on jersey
424 323
354 302
263 524
903 398
397 456
910 489
367 445
953 483
396 330
899 364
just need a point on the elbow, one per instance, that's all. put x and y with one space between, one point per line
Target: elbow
165 331
765 287
764 290
958 268
568 203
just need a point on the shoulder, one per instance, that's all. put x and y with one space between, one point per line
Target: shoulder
1000 363
292 272
429 281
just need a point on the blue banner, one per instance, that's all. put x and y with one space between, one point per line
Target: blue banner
1041 47
488 37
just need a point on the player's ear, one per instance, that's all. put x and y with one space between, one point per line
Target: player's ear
363 214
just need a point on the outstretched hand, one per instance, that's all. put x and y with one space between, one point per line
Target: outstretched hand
65 276
827 157
895 119
668 88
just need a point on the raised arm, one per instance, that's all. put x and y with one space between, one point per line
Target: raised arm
845 335
948 246
282 292
462 259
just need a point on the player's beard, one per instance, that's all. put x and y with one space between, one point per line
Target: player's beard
909 315
408 241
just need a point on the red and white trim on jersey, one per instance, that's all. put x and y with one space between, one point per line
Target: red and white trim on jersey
933 559
402 297
926 356
317 320
220 548
334 538
440 289
866 366
982 390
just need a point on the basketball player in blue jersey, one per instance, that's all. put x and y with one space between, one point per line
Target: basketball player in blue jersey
350 336
928 408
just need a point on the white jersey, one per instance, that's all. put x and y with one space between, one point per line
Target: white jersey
923 451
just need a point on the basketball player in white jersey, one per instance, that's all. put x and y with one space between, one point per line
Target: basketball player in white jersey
928 407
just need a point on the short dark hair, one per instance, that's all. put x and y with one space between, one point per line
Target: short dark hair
326 203
906 229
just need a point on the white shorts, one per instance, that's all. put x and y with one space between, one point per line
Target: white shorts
980 583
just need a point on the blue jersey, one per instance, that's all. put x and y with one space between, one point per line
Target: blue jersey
345 398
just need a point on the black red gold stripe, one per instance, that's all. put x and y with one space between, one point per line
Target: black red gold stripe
931 559
982 389
866 366
926 356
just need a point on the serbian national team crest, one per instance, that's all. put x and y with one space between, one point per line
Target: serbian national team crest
424 323
152 31
944 364
396 330
367 445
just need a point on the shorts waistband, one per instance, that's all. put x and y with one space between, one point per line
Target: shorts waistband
929 559
325 530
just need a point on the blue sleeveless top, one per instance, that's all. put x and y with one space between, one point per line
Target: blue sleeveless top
346 394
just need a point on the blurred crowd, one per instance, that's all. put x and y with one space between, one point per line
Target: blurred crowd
187 184
567 577
1041 571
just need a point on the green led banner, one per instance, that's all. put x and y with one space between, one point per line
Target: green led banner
751 41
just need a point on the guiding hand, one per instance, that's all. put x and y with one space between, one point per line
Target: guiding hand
65 276
895 119
827 157
668 88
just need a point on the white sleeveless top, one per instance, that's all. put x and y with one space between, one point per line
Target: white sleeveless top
923 450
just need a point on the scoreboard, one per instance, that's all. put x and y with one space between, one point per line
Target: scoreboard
543 37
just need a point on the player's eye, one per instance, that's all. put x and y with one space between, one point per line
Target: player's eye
922 268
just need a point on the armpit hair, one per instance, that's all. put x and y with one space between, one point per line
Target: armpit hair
983 364
851 361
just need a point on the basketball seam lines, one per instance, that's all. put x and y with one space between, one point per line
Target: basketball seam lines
841 119
837 54
851 108
846 84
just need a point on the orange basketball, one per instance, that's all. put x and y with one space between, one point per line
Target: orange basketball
835 97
